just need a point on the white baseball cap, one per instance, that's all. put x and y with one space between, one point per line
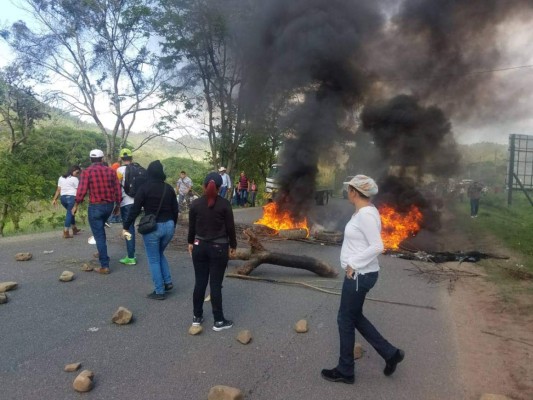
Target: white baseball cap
221 169
365 185
96 153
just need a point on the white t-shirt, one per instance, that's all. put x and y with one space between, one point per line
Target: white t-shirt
362 241
68 185
226 181
121 174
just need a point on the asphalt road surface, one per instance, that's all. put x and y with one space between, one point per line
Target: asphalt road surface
47 324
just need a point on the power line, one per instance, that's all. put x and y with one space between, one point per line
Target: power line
457 75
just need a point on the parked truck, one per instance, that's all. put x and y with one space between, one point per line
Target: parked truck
324 184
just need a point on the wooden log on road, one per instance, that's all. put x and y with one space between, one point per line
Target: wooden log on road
258 255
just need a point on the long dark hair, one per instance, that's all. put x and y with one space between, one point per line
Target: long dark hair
211 193
71 171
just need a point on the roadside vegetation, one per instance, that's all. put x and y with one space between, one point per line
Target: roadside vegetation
509 224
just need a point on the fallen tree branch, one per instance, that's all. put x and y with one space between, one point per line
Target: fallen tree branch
320 289
257 255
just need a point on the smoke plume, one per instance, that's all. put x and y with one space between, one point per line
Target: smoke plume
409 135
314 51
412 66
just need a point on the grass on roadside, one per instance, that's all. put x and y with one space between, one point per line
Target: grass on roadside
512 224
42 217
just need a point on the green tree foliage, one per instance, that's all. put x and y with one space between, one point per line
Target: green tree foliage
19 109
19 185
199 51
97 49
52 150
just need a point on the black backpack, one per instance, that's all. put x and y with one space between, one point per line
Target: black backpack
134 177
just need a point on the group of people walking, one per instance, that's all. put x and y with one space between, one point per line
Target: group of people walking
212 240
211 234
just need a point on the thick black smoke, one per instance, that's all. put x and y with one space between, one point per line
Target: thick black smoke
438 50
332 57
411 136
312 50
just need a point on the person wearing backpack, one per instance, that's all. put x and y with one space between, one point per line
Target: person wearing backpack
128 169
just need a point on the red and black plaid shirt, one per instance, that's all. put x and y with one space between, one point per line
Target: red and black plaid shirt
102 184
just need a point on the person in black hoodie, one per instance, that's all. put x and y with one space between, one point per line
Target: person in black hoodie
153 193
211 240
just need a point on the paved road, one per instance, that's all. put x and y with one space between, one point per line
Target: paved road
47 324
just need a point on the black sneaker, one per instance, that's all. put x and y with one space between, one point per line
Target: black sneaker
156 296
221 325
197 321
333 375
393 362
169 287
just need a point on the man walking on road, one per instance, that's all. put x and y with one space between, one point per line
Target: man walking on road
104 198
125 207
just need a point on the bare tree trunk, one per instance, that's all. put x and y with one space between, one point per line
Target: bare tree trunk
258 255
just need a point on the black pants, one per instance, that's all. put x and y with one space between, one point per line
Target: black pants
210 261
351 317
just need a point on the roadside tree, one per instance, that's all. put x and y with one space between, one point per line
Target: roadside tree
96 57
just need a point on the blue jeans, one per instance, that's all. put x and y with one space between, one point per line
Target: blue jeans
155 244
210 261
474 207
97 216
130 244
244 197
68 203
222 191
351 317
253 194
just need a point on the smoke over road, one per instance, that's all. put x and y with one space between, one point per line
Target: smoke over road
397 71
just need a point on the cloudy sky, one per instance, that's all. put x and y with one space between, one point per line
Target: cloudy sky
503 105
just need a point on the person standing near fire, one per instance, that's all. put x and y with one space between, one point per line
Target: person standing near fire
474 194
212 239
359 259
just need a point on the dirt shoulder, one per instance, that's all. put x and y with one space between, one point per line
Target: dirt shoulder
493 315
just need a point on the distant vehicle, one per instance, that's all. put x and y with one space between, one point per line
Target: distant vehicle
345 186
323 189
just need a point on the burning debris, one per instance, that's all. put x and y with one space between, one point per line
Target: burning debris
396 227
278 219
343 66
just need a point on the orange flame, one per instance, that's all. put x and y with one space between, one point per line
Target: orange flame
277 220
397 227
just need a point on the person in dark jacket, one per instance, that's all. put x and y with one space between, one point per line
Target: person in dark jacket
152 193
212 240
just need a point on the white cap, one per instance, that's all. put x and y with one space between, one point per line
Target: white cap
365 185
96 153
221 169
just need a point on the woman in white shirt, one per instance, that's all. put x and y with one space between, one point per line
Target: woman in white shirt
359 259
66 188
